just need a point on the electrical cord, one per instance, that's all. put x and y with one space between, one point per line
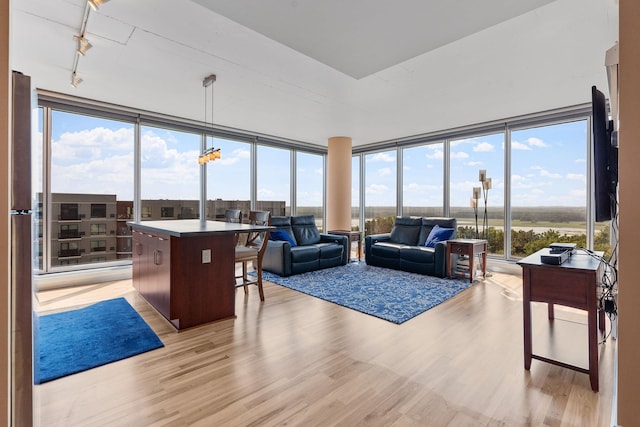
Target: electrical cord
607 301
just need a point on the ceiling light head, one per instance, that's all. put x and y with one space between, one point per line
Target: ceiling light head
75 80
95 4
83 45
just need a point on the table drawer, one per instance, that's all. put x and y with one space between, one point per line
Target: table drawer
460 248
561 286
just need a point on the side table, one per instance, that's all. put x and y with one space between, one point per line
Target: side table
574 283
354 236
470 248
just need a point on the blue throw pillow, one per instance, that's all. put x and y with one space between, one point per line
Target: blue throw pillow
438 234
281 235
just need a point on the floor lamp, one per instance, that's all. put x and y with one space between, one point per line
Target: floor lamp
486 186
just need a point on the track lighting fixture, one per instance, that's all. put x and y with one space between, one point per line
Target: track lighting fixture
83 45
95 4
75 80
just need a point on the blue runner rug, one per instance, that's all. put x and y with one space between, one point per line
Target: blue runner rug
392 295
77 340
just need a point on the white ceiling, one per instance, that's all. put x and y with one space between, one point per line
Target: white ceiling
362 37
371 70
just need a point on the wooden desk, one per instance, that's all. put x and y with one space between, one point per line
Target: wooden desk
471 248
573 284
186 269
354 236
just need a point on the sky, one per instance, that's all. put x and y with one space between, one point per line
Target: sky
94 155
549 168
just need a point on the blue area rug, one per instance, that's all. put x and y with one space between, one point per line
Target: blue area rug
392 295
77 340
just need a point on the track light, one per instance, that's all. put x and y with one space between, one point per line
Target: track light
75 80
95 4
83 45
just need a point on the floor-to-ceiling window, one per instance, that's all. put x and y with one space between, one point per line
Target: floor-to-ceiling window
549 187
470 158
380 184
169 174
91 173
229 178
310 186
273 180
94 156
422 180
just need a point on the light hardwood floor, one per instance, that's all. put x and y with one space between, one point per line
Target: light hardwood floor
298 360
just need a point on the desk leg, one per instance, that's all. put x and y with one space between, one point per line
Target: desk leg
484 262
448 260
472 264
551 311
526 310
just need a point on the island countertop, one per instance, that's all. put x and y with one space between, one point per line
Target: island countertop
194 227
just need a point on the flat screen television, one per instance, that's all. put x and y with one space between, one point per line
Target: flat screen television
605 159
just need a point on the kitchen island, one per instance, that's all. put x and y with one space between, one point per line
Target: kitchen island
186 268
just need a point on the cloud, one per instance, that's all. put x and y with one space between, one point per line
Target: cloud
414 187
234 157
385 171
100 160
91 144
461 142
437 155
463 186
515 145
381 157
581 160
544 172
459 155
577 177
536 142
483 147
377 189
547 174
528 144
473 163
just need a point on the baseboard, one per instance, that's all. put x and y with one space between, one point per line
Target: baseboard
82 277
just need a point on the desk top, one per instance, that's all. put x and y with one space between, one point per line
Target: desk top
195 227
579 260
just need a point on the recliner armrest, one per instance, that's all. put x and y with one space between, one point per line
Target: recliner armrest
341 240
372 239
277 257
440 259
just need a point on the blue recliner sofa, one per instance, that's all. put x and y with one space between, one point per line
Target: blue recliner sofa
296 246
405 247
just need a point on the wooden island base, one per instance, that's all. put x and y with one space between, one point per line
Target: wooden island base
185 269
